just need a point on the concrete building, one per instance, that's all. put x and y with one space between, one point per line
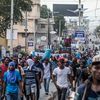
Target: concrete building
37 30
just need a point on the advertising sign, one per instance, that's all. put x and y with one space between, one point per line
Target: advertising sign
66 9
79 34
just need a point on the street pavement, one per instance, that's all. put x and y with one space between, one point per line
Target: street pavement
52 92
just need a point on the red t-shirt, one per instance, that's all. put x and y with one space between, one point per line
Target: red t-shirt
4 69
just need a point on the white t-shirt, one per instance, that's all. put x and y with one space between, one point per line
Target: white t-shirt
62 76
46 70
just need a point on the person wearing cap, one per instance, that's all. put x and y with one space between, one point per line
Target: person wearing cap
90 90
61 79
12 81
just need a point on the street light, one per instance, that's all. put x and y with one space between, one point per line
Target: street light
80 10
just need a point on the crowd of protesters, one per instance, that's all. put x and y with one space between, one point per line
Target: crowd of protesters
21 76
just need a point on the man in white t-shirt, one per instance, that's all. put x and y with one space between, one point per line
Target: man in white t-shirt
47 75
61 79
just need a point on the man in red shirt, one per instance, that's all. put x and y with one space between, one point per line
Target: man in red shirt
4 65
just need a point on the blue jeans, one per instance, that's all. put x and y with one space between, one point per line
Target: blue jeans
46 84
12 96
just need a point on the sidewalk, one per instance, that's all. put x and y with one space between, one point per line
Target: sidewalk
52 92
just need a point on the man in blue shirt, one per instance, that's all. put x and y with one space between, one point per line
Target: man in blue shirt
12 81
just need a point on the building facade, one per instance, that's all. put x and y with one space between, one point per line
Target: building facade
37 30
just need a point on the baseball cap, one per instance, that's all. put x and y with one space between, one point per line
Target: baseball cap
61 59
96 60
12 64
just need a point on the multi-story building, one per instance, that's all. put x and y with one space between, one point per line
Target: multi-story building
37 29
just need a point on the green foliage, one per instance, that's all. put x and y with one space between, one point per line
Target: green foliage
57 19
5 12
23 53
44 12
97 29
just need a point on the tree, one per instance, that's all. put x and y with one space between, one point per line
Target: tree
97 31
44 11
44 14
5 10
59 18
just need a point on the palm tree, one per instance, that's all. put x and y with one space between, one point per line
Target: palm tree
5 10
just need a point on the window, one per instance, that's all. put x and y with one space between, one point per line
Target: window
42 25
30 44
23 22
23 35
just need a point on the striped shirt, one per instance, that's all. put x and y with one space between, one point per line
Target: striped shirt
30 76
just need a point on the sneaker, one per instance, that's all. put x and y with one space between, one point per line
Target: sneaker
46 93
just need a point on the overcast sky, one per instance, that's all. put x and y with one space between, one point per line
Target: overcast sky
93 8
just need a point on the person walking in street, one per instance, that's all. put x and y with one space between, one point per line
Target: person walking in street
4 65
12 81
47 75
39 67
62 74
30 80
90 90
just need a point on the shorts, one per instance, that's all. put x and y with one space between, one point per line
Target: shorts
29 89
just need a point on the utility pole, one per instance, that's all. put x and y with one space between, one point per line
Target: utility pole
12 13
59 30
26 45
34 34
80 8
49 37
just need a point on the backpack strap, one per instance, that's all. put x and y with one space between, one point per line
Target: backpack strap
86 90
84 94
